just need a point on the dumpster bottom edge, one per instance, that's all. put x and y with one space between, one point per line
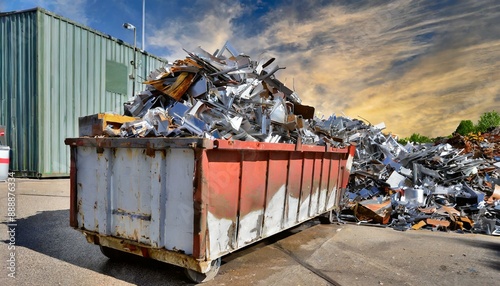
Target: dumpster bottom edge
160 254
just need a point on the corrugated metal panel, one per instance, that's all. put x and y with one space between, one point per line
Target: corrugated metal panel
79 56
53 78
18 88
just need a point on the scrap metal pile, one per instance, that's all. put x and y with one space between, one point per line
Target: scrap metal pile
225 95
450 185
453 185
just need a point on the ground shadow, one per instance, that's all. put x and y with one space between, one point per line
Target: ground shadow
490 260
49 233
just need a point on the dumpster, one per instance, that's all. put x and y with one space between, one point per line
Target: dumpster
189 201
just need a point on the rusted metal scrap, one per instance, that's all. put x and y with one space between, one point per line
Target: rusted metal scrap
373 210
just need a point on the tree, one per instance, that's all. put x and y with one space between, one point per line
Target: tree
415 138
487 120
465 127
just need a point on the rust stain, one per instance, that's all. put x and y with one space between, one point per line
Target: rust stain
80 212
150 151
129 247
231 233
135 235
129 153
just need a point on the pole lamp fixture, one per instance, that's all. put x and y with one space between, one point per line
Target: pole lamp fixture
129 26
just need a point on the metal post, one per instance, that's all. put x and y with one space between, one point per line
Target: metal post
143 46
135 64
129 26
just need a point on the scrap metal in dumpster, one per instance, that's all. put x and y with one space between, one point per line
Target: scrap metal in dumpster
214 155
225 95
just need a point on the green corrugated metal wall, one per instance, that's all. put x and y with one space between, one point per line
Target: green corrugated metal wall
58 75
18 86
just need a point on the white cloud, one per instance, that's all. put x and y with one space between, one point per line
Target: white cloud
210 31
75 10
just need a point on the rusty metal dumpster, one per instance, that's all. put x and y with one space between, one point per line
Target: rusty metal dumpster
189 201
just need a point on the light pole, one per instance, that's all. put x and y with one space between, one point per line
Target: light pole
129 26
143 46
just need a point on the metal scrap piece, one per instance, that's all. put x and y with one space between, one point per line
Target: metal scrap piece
419 225
438 222
373 210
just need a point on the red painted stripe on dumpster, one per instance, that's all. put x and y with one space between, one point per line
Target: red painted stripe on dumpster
4 160
252 194
224 173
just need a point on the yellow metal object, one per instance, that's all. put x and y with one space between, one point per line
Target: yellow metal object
95 125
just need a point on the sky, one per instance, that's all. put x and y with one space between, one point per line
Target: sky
418 66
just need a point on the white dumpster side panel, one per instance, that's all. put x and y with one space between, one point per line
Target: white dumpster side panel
149 199
179 211
158 198
274 212
322 200
131 194
87 182
291 212
313 204
220 235
331 199
102 204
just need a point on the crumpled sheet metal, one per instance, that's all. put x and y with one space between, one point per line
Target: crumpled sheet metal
450 185
227 95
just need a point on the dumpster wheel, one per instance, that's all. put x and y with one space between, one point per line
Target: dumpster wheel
328 218
112 253
198 277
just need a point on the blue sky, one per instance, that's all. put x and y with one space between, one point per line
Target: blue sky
419 66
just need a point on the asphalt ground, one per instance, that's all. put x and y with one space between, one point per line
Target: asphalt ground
49 252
